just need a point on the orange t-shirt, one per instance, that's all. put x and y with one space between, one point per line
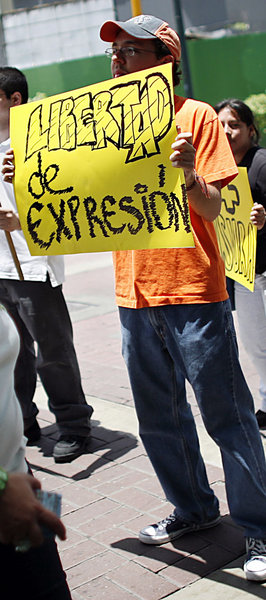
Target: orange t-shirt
183 275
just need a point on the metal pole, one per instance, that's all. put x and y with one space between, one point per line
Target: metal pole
3 58
185 62
136 8
116 11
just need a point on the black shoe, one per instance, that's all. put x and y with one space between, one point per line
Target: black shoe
261 419
171 528
69 447
33 433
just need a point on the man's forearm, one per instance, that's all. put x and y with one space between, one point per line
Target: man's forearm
205 199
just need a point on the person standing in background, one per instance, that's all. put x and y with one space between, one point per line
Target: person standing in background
38 307
243 136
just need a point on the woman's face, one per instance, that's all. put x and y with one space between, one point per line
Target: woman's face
239 134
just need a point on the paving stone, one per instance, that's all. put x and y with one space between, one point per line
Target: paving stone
45 416
80 552
76 596
130 478
120 451
195 566
151 485
104 589
67 507
156 558
81 468
79 495
214 473
147 585
94 567
73 537
121 541
36 458
138 499
113 472
141 463
86 513
102 522
123 444
129 455
226 536
219 490
223 508
107 436
49 481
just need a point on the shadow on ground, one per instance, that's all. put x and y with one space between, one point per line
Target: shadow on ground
105 445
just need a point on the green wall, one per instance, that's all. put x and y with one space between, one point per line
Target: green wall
65 76
231 66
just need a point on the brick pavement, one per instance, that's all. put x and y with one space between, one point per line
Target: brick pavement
111 492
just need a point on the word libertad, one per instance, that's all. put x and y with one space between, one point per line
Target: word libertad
129 116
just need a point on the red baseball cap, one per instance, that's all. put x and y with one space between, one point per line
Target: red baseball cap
144 27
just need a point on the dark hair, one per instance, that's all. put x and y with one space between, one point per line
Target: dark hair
243 111
12 80
162 50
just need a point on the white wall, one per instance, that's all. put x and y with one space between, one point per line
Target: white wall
55 33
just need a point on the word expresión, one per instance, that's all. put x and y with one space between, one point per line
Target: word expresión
105 218
126 115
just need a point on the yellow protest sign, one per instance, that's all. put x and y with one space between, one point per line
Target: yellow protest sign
236 235
92 168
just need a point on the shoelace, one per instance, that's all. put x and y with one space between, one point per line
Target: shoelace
171 519
168 520
256 547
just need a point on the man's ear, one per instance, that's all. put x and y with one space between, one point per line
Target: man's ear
167 59
16 99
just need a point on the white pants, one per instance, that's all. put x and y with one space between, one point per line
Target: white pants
251 314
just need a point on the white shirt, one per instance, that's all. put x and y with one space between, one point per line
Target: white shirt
12 440
34 268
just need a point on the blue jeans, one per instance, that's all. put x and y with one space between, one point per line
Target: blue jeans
162 347
41 315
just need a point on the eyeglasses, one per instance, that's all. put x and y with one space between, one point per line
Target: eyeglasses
126 51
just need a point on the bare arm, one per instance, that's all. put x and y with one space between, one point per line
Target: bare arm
21 514
207 205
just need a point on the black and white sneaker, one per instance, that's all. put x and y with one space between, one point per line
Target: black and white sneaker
70 447
171 528
255 563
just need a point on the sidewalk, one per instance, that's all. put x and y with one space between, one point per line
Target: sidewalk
110 493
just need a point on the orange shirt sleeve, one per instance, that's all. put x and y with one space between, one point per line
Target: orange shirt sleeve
214 158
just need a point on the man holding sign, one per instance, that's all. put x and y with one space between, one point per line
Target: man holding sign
177 324
39 310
